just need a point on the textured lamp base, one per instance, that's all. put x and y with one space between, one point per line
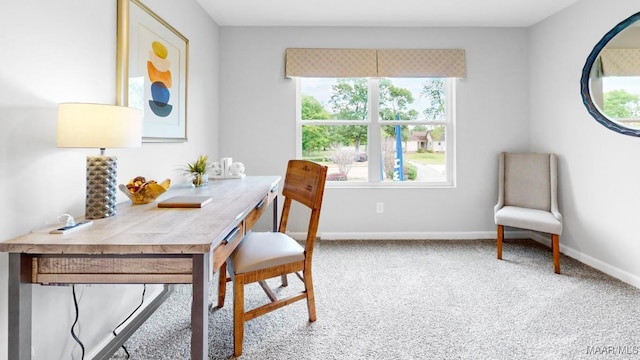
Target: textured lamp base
101 186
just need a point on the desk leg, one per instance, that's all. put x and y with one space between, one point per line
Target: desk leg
200 309
19 339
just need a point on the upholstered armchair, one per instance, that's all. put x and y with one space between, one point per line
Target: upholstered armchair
527 197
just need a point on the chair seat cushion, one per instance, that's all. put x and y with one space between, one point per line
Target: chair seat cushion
532 219
261 250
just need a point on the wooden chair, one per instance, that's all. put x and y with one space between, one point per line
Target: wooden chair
527 197
265 255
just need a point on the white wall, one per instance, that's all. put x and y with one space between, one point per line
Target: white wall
257 112
599 171
64 51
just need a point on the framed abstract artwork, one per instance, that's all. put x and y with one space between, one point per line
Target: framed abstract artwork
152 71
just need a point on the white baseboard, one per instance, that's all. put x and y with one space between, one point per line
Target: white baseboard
472 235
478 235
606 268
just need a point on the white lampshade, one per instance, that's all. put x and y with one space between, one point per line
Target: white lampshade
98 126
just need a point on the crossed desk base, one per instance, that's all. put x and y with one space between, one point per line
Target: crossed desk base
142 244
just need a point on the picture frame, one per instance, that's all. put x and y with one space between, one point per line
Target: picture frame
152 71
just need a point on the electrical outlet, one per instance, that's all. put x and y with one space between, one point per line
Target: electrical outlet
379 208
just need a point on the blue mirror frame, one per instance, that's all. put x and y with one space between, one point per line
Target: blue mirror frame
586 72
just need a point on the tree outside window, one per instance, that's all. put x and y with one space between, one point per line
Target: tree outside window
336 128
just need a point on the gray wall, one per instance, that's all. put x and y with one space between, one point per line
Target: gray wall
599 172
64 51
492 113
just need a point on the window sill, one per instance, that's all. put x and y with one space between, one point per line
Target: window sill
387 185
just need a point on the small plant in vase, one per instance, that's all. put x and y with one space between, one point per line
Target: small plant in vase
198 170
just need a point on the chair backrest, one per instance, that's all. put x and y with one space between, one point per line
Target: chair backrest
304 183
529 179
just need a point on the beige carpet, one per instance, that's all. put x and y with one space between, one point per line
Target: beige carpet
422 300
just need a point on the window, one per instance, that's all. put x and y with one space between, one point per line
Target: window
621 100
409 142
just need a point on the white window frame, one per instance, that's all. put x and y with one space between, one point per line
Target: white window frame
374 126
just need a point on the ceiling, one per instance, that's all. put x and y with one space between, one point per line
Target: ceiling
484 13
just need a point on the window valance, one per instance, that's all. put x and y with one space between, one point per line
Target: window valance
620 62
375 63
330 63
421 63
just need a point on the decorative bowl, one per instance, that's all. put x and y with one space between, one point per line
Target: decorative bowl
140 191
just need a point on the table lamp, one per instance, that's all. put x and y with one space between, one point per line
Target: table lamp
99 126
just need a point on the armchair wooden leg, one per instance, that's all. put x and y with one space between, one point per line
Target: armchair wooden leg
238 314
222 285
499 242
555 245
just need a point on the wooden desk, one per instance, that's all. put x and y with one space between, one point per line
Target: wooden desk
142 244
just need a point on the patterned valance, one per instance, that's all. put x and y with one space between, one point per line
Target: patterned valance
421 63
330 63
375 63
620 62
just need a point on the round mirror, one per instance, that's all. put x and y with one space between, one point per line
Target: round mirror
610 82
